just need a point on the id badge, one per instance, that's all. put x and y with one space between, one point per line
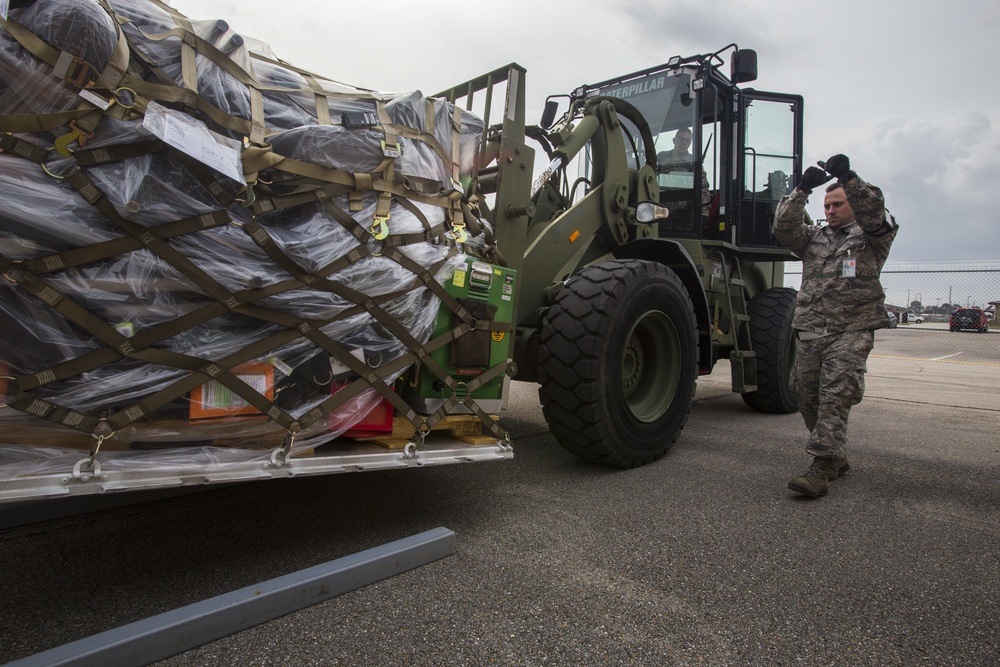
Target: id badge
850 269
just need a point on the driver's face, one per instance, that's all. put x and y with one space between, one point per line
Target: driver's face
682 142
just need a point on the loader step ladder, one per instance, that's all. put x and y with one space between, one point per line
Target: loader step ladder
742 358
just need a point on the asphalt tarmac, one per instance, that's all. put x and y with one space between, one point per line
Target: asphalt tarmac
703 558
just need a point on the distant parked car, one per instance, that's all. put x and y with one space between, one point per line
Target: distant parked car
918 319
893 319
968 318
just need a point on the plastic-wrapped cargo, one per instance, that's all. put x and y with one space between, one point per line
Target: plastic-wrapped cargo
202 245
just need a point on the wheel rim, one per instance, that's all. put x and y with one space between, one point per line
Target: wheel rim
651 366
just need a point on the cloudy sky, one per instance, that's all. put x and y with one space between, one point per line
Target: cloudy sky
907 90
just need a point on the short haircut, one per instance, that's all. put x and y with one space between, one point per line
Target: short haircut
834 186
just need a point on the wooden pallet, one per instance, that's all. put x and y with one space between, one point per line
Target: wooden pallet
466 428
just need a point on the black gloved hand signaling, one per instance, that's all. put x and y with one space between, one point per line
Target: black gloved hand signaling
813 177
839 166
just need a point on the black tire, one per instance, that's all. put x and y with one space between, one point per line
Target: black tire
772 338
618 362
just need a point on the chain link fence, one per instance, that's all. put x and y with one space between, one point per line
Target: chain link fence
924 295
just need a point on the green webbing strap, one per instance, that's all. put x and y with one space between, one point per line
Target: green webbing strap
148 237
390 146
375 379
320 99
29 42
43 409
266 205
189 53
45 122
470 403
427 277
456 148
174 95
391 244
294 326
355 93
429 234
423 275
257 159
204 175
126 347
17 146
192 46
267 244
104 250
95 157
87 116
159 333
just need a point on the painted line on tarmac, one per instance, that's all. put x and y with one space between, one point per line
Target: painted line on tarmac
943 360
947 356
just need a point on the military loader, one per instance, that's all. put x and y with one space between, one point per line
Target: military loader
639 267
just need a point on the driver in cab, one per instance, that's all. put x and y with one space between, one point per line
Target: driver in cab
676 169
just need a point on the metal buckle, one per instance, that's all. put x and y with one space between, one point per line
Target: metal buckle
391 150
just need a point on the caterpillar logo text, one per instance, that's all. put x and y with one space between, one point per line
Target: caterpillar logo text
640 87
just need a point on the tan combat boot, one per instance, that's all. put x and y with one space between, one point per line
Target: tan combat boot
816 481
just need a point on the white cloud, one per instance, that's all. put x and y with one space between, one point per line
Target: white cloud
938 177
905 91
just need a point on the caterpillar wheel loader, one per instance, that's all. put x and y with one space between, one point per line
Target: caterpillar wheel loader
639 266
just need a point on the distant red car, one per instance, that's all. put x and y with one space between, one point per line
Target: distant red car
969 318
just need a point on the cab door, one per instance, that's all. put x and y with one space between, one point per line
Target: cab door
770 136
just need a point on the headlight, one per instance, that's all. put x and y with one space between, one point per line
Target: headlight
648 211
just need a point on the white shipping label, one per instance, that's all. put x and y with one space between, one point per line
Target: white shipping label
191 136
95 99
337 368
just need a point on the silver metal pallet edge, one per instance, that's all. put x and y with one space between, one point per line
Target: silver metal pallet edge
179 630
105 480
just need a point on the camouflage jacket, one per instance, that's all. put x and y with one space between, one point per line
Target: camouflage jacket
840 269
668 163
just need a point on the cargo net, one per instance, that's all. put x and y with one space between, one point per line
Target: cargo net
194 231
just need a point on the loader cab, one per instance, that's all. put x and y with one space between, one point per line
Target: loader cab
725 155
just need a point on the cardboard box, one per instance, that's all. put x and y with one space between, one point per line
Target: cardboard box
213 400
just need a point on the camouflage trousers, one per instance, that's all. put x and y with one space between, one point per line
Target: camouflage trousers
828 379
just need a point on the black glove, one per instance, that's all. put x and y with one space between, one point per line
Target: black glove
839 166
811 178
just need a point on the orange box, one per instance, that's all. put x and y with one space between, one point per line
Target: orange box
214 400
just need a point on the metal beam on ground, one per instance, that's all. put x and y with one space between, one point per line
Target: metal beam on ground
174 632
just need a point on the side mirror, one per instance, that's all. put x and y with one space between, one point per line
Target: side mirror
743 66
549 114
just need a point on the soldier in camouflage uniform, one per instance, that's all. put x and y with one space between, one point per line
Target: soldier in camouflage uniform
839 306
